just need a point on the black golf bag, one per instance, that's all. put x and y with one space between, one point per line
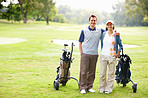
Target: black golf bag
63 72
123 72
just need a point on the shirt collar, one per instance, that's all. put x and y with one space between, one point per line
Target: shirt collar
91 29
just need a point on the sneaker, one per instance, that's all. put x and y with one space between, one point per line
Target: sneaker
102 91
91 90
107 92
83 91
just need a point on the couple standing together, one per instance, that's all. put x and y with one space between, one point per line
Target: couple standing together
88 46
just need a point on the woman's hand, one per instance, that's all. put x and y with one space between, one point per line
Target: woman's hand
116 55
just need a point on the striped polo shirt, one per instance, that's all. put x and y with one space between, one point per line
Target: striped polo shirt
90 40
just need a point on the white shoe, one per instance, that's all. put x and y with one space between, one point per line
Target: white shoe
107 92
102 91
91 90
83 91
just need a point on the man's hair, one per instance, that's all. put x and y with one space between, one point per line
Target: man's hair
92 16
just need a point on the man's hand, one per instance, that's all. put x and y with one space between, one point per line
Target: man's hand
80 47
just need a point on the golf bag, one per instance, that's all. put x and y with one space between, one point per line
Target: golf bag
123 72
63 72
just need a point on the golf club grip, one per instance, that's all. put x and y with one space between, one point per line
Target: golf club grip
71 50
122 50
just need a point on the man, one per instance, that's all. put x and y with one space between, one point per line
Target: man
88 46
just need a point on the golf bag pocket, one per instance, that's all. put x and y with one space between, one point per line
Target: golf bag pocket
63 71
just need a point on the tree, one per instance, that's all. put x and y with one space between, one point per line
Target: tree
26 6
121 19
119 15
136 7
79 16
47 10
1 6
59 18
12 12
37 13
1 2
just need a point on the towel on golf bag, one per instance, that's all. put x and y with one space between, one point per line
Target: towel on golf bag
62 70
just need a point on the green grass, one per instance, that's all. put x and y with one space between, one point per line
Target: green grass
28 69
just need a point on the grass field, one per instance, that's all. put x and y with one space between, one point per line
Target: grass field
28 69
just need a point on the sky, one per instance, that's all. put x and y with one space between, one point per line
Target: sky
99 5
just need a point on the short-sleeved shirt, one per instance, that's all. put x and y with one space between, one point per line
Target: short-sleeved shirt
90 40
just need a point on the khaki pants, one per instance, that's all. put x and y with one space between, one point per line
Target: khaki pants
107 85
87 71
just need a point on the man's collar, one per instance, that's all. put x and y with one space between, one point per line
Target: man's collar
91 29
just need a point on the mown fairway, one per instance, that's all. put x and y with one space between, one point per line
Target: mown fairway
28 69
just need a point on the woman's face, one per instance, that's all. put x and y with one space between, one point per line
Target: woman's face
109 26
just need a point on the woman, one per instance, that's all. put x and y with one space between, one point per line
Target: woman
109 53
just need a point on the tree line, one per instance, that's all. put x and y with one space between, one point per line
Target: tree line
128 13
28 9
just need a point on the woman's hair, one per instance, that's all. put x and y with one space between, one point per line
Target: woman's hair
92 16
107 29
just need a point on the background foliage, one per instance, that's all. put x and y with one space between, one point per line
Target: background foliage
128 13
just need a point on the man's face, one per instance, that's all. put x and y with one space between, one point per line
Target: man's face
93 21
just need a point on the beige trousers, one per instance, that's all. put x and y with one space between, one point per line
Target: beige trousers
107 84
